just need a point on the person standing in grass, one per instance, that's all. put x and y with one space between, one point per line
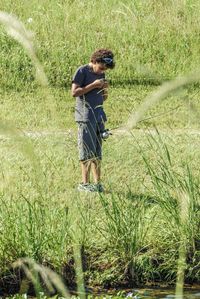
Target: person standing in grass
90 88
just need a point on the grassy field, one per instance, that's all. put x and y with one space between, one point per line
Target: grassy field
130 235
152 41
145 228
39 110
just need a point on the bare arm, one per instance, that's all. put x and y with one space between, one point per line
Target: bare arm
78 91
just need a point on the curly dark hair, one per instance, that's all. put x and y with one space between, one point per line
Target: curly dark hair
104 56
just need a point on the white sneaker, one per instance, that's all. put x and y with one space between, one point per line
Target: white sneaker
86 187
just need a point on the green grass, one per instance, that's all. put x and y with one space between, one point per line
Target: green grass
131 233
145 228
54 110
152 41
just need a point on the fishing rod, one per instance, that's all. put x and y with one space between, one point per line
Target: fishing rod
147 118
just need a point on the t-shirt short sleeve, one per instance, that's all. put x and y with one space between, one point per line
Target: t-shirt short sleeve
79 77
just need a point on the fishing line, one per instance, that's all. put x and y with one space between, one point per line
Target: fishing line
147 118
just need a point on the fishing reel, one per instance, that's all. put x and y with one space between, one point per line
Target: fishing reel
105 134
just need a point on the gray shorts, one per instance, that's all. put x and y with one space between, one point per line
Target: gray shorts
89 141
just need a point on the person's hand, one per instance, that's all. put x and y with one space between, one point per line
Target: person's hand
99 83
105 85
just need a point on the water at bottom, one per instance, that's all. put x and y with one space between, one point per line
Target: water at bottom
154 293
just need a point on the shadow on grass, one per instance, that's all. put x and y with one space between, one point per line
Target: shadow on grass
134 197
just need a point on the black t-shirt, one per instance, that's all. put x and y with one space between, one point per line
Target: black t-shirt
87 105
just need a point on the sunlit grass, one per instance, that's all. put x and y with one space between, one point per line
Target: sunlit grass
39 229
61 46
136 232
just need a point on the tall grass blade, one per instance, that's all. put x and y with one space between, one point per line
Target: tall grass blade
51 279
184 217
17 30
79 271
161 93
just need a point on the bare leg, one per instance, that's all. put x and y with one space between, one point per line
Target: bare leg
96 170
85 170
